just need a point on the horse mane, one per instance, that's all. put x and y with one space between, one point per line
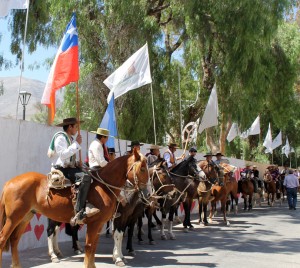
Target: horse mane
182 165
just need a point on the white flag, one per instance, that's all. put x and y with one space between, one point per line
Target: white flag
277 141
233 132
287 148
7 5
133 73
253 130
210 117
268 140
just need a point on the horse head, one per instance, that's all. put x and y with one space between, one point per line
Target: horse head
209 169
137 173
187 167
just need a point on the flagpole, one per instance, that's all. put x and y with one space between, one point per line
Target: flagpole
113 96
22 58
180 111
78 118
154 127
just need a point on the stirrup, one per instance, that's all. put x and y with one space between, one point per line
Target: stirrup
79 219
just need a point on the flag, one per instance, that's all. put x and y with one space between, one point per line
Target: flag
233 132
268 140
7 5
65 68
133 73
109 122
253 130
287 148
210 117
277 141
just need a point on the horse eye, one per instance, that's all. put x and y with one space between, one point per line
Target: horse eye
143 169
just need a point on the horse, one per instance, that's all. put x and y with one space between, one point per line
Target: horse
231 185
29 193
52 231
247 190
270 187
186 177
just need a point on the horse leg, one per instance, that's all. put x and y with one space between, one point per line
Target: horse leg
245 202
162 227
53 250
92 237
139 227
223 209
149 217
129 246
173 209
250 202
200 209
158 221
15 238
117 251
186 215
204 205
212 207
76 245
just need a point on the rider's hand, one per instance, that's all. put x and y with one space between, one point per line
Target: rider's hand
79 139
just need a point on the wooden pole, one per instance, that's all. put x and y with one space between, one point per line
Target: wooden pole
78 118
154 127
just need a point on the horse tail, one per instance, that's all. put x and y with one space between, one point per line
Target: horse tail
2 222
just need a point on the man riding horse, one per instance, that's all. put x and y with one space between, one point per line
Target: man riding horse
64 147
245 172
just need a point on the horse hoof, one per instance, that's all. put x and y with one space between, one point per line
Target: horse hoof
192 228
152 242
163 237
55 260
172 237
78 252
185 229
59 254
124 260
228 223
131 253
141 242
210 221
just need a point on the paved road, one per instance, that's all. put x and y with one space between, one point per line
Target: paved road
265 237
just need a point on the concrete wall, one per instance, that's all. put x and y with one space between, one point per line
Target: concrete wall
24 147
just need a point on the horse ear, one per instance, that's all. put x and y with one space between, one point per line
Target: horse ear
136 154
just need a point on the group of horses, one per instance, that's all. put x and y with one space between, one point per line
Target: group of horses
126 176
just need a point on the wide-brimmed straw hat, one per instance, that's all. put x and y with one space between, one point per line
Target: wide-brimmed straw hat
209 154
135 143
102 131
154 147
173 145
69 121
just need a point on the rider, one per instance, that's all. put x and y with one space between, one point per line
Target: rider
153 155
169 156
111 154
65 148
247 171
98 153
256 178
134 144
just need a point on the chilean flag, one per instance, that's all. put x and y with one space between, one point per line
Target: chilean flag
65 68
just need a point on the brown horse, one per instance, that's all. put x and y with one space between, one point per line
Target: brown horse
270 187
27 194
247 190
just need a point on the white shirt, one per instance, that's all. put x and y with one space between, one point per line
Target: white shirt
96 154
64 152
291 181
167 157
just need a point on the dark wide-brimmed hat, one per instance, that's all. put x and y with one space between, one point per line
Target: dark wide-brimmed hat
219 153
193 150
209 154
172 145
101 131
69 121
135 143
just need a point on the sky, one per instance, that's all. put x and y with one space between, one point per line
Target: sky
39 56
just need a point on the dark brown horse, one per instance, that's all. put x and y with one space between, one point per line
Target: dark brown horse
247 190
27 194
270 187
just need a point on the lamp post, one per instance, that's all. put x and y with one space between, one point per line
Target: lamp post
24 97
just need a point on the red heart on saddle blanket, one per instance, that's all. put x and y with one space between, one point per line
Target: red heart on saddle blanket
28 228
38 230
192 207
38 215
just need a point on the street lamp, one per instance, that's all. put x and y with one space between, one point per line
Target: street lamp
24 97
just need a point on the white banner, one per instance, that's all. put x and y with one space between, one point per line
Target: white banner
233 132
277 141
132 74
7 5
210 117
253 130
268 140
